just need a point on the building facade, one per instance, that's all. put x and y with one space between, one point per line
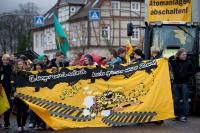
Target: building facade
44 37
97 36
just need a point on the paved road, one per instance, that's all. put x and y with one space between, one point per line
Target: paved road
169 126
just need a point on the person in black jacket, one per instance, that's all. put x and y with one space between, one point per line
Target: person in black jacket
156 53
182 69
46 61
137 56
35 120
58 61
5 79
22 108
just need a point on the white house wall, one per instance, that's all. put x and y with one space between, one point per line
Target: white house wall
37 45
44 40
77 31
117 20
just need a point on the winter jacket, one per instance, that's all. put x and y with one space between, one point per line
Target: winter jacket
182 69
5 77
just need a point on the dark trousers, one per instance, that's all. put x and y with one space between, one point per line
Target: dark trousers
32 117
7 118
22 112
35 119
181 91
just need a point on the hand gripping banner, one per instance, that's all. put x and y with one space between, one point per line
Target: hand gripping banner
77 97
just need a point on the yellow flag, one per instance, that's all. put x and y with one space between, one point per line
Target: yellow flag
129 51
4 104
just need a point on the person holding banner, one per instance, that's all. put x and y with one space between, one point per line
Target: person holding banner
5 75
137 56
22 108
46 61
58 61
4 104
35 120
122 54
89 61
156 53
182 69
114 59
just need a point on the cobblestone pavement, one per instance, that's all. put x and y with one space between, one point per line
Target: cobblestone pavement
169 126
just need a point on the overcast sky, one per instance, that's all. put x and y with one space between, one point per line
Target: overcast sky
8 5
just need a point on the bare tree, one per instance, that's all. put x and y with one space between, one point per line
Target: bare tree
15 28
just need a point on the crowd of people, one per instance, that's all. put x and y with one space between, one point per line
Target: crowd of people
10 68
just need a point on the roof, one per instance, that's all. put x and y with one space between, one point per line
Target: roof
83 12
48 16
81 2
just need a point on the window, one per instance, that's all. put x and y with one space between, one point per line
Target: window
48 31
136 34
115 4
173 36
36 41
49 38
42 39
106 32
135 6
72 9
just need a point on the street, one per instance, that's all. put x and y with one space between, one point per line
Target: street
169 126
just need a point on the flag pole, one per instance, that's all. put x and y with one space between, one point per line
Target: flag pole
59 46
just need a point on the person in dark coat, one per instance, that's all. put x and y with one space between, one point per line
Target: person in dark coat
46 61
156 53
35 120
22 108
137 56
5 79
182 70
58 61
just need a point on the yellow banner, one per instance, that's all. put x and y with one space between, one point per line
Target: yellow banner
4 104
169 10
77 97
